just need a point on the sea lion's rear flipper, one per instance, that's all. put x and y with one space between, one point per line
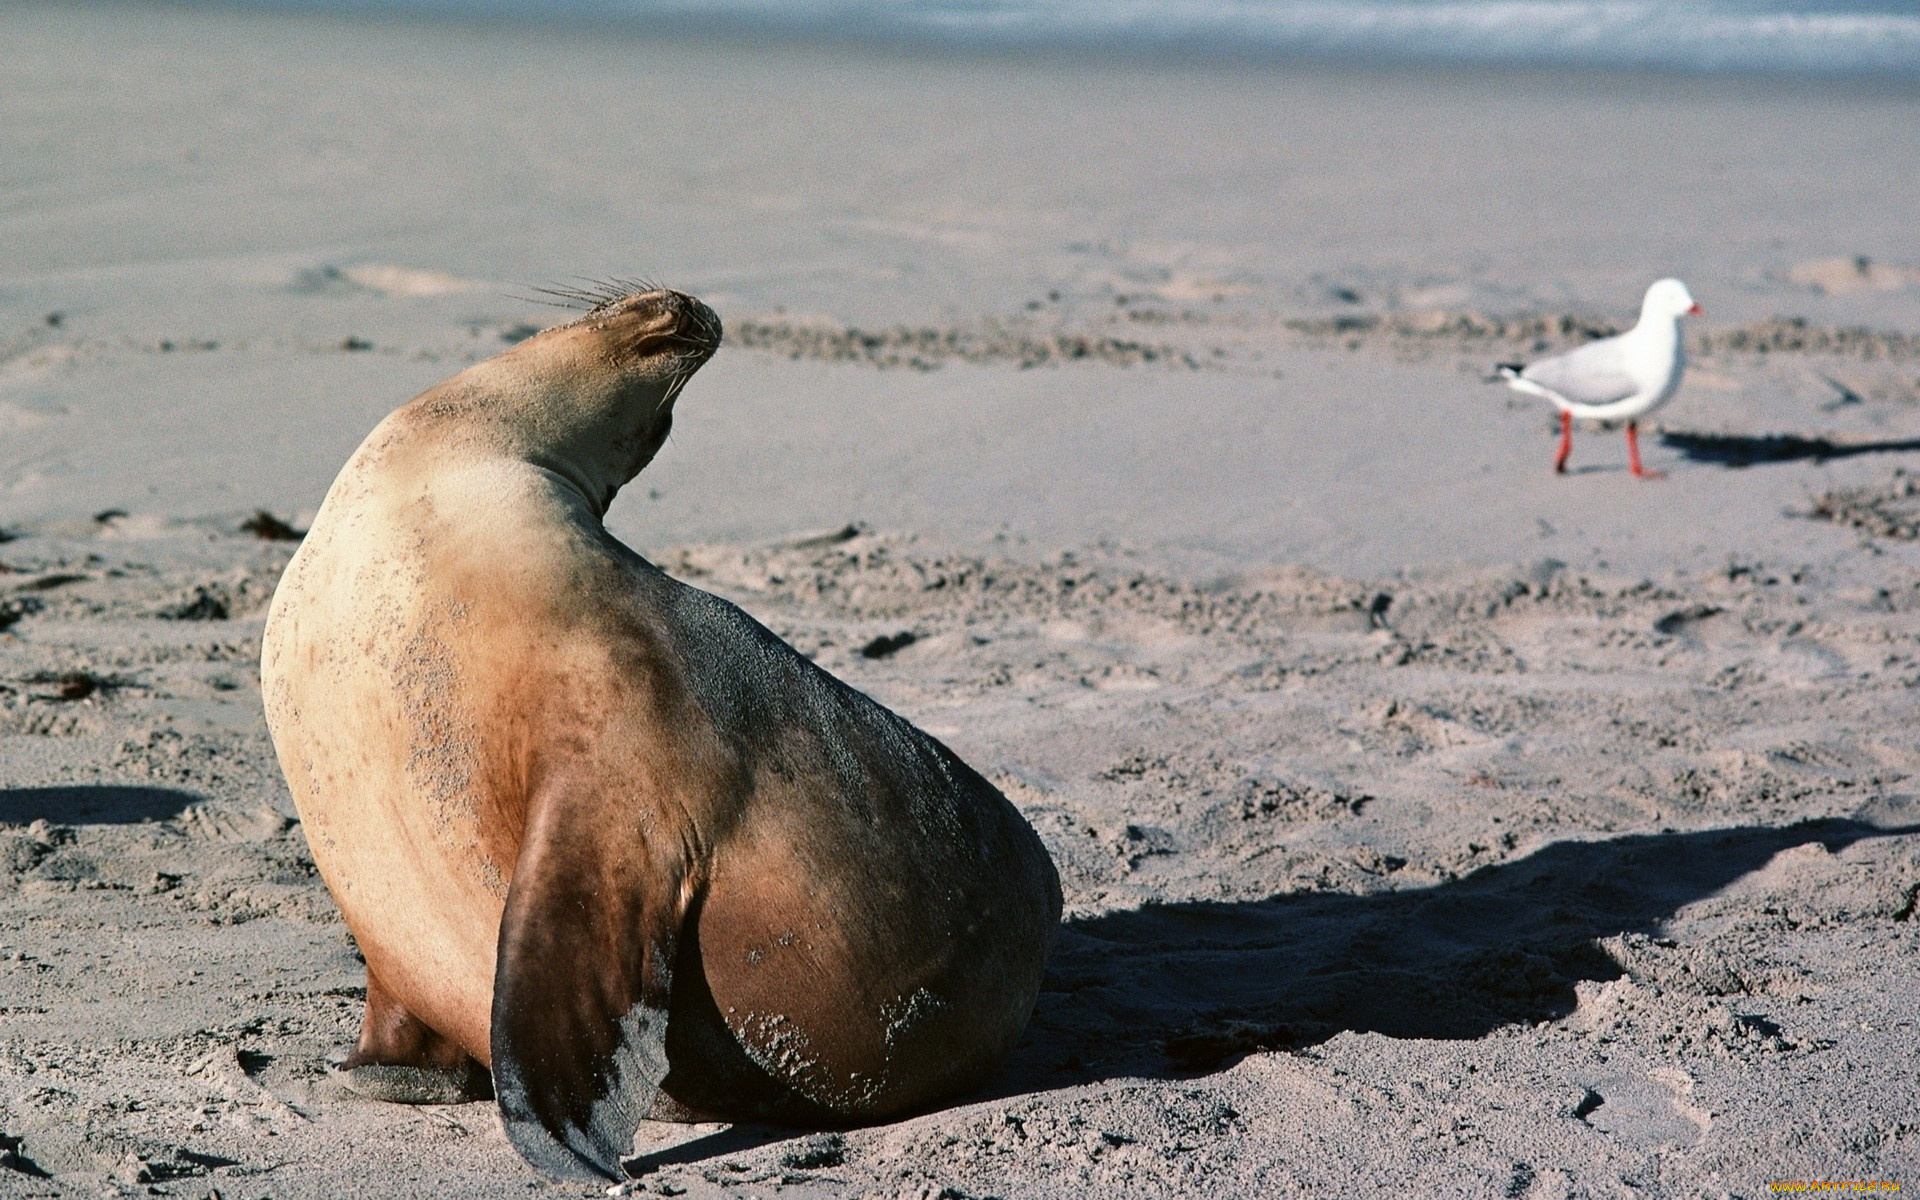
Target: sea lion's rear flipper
581 989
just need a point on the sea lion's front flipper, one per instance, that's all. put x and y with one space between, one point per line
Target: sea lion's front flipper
401 1060
581 988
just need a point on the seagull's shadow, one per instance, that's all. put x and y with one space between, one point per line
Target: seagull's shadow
1742 450
1182 989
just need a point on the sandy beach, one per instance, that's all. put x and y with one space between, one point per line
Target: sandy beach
1428 823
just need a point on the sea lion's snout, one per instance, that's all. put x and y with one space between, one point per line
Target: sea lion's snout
663 322
699 326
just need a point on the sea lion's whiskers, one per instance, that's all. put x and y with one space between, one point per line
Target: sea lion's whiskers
570 298
571 303
593 293
612 291
673 390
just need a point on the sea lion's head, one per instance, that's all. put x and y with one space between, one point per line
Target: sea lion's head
652 342
592 400
657 337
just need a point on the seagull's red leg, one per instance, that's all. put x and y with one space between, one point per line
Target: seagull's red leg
1633 454
1566 443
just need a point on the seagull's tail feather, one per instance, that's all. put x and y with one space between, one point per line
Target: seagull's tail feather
1511 372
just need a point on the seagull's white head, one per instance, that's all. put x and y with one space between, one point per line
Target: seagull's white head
1666 300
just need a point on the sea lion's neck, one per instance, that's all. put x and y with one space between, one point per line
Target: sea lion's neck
589 425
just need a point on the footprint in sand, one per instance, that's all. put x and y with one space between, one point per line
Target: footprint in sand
1649 1111
382 279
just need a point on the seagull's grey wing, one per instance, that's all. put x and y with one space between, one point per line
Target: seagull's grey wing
1596 373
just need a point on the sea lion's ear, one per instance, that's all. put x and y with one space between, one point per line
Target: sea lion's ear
581 990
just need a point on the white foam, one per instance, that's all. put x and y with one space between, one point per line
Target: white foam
1820 36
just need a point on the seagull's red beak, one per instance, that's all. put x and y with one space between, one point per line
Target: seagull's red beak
1695 312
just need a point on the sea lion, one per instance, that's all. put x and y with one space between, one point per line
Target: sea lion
603 832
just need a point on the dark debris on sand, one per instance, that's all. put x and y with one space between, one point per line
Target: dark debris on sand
267 527
926 349
1889 510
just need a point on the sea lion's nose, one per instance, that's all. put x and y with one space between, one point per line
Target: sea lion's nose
696 322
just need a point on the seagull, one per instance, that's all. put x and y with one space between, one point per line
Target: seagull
1625 376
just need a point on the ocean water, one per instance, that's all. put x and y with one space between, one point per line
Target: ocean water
1826 37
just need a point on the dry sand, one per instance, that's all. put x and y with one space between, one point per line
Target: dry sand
1428 823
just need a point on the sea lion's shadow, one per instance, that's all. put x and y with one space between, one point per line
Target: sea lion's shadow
1186 989
111 804
1181 990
